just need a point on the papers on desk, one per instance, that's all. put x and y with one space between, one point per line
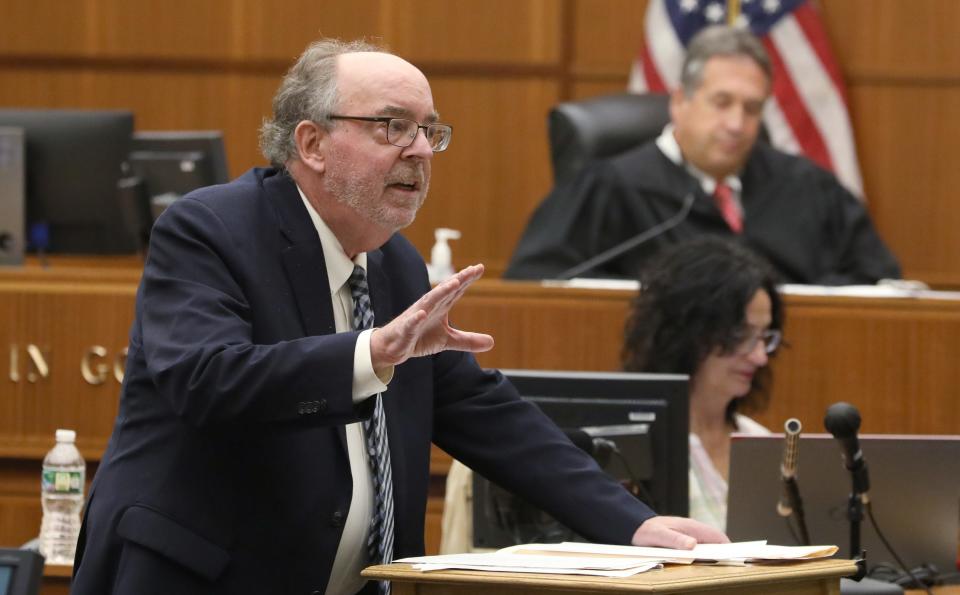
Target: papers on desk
886 290
615 560
539 564
587 283
710 553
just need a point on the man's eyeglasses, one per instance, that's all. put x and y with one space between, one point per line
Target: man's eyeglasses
402 132
771 341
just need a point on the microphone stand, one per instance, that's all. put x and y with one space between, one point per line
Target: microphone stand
633 242
796 508
858 497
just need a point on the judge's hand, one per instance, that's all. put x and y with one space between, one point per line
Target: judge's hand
676 532
424 328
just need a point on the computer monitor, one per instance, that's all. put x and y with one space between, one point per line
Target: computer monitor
73 162
646 418
914 491
20 572
171 163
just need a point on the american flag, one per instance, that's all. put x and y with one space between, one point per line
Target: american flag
807 112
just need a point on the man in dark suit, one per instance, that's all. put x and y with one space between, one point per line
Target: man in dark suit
247 456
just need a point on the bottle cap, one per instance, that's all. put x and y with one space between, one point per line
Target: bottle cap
66 436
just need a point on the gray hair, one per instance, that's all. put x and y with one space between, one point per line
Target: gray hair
308 92
720 40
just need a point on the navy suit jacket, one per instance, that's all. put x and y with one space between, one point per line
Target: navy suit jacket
227 470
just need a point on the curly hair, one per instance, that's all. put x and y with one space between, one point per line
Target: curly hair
693 299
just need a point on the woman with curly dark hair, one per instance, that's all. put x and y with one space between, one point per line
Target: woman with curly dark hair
709 308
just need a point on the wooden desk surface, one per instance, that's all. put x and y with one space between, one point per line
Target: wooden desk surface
820 576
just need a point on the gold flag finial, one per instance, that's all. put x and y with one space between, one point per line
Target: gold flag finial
733 12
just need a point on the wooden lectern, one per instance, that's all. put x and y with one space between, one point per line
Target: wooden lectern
821 577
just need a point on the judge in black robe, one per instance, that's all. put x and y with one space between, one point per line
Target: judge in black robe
796 214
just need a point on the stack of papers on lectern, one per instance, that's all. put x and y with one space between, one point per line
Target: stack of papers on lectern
540 564
615 560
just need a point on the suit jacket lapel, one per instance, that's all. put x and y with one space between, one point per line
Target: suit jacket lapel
304 264
303 258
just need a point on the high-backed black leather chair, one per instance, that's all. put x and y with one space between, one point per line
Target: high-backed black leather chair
604 126
601 127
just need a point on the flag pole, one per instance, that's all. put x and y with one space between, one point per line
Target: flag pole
733 11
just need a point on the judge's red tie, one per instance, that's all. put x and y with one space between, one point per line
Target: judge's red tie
723 197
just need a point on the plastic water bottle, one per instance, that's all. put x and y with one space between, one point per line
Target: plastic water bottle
61 493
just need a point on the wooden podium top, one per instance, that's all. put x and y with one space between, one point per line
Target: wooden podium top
819 576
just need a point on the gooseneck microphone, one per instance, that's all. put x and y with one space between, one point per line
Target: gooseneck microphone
788 466
631 243
790 503
843 421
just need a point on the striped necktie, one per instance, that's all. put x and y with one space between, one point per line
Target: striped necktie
380 541
723 197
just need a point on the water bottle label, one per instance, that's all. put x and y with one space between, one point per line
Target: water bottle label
61 482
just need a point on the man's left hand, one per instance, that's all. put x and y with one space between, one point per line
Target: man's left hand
424 328
676 532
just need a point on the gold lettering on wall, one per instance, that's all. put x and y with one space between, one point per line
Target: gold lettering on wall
94 373
120 364
96 364
39 367
14 363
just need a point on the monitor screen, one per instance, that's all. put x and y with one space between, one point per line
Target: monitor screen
172 163
914 492
74 161
20 572
636 427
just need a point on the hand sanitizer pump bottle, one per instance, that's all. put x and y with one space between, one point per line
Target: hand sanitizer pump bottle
441 259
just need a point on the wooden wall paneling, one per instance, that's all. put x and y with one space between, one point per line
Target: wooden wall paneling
607 37
905 134
43 27
909 40
901 62
464 32
280 31
496 170
214 30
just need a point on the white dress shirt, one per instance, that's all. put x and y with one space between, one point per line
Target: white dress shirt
352 556
667 144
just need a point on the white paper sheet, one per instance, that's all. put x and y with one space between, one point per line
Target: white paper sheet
720 552
541 564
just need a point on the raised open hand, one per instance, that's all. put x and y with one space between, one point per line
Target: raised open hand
424 328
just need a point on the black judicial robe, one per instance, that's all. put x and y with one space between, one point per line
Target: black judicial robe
796 214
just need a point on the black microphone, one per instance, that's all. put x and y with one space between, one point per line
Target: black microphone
843 421
788 467
631 243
